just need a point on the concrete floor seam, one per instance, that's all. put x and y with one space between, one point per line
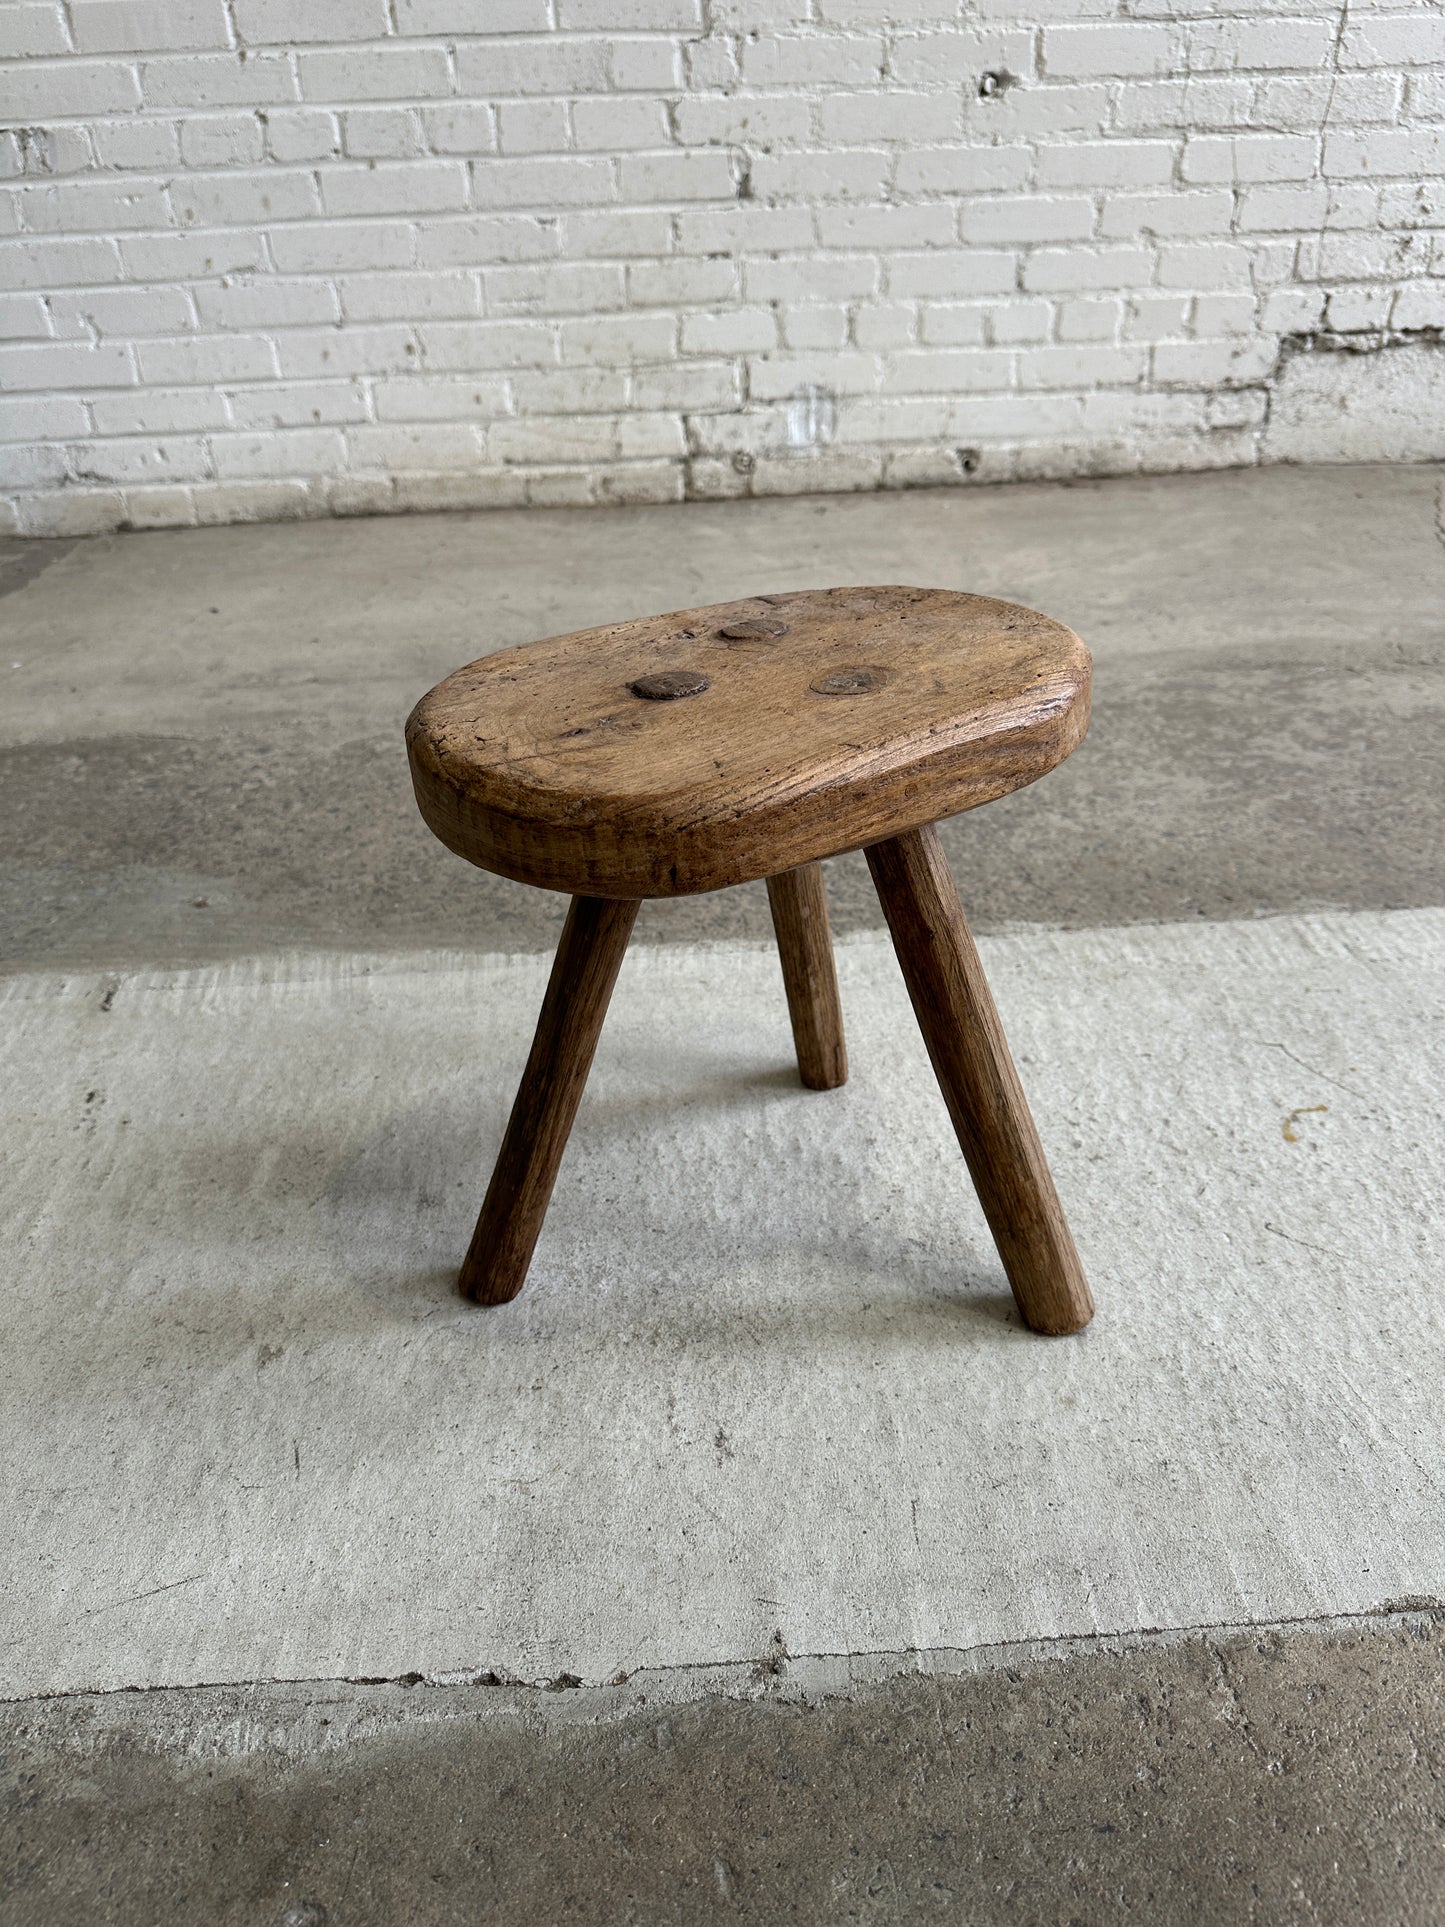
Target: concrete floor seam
793 1676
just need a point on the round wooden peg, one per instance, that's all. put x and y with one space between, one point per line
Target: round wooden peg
761 630
668 684
849 682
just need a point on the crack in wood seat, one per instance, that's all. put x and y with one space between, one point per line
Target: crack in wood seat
712 746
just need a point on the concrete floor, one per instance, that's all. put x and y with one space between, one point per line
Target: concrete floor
764 1382
201 728
201 762
1239 1777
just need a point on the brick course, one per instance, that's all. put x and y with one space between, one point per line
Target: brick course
293 257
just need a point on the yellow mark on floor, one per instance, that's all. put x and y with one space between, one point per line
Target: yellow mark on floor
1291 1134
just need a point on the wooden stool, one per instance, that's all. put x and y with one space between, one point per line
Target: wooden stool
751 739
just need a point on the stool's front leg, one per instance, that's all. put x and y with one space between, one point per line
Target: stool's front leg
799 905
594 942
965 1039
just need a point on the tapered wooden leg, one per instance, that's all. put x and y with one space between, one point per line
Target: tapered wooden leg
800 917
594 942
965 1039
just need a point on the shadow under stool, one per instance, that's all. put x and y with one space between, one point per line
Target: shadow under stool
687 752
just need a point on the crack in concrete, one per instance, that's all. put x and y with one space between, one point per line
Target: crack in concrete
1304 1243
134 1599
1270 1043
807 1675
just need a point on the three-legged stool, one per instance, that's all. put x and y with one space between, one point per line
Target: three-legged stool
751 739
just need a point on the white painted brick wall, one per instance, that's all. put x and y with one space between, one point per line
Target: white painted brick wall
294 257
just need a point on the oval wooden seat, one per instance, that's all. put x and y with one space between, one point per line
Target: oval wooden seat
751 739
684 752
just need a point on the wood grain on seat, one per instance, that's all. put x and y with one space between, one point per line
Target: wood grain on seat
686 752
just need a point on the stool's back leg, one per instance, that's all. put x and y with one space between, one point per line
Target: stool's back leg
594 942
965 1039
800 917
